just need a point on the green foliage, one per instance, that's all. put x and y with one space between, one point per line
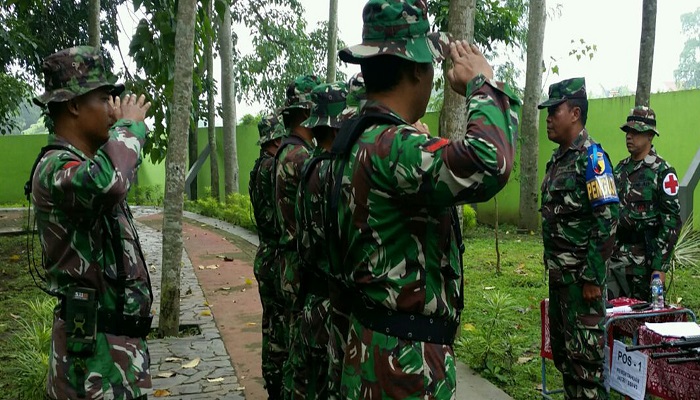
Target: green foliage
38 128
148 195
468 218
13 92
236 210
30 345
688 73
251 119
283 49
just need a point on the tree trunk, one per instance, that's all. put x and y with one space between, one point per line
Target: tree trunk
193 152
453 117
94 23
211 108
529 185
646 53
175 168
332 41
228 103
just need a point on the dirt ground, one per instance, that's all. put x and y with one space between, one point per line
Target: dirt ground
232 294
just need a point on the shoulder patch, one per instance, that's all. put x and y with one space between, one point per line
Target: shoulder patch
71 164
435 144
600 182
671 184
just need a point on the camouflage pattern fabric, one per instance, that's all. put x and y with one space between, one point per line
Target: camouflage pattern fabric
265 267
399 28
87 73
356 96
73 195
329 103
578 240
574 88
270 128
649 223
396 243
641 119
299 92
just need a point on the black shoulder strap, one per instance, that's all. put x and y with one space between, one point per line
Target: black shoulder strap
42 153
306 172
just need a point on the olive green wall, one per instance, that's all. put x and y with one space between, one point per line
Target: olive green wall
18 155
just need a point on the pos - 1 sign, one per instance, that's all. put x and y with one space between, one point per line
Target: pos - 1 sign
628 372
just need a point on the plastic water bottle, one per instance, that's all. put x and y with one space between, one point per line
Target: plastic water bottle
657 292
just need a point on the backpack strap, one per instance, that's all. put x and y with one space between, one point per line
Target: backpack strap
42 153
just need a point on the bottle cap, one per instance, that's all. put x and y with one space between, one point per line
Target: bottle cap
656 275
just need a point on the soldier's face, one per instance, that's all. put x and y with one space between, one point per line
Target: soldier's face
96 116
560 119
638 142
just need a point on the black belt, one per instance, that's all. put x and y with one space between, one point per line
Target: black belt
630 237
405 325
127 325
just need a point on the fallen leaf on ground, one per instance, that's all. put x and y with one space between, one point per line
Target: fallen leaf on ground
167 374
15 316
678 300
205 304
225 258
201 267
173 359
251 324
489 287
469 327
153 268
161 393
523 360
205 313
240 388
226 288
248 281
539 387
243 290
188 291
192 363
213 266
215 380
14 257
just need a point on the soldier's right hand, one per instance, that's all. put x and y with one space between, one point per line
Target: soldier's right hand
132 107
467 63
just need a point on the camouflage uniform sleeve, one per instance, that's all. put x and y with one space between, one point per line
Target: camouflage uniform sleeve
602 237
670 225
101 182
439 172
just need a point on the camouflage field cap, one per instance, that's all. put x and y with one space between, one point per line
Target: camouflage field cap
299 92
73 72
400 28
641 119
329 102
270 128
574 88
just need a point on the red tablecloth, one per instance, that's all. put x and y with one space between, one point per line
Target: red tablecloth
669 381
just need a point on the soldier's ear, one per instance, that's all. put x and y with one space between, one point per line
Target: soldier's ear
73 107
575 114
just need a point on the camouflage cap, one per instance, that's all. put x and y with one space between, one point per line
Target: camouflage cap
73 72
299 92
399 28
641 119
574 88
270 128
329 102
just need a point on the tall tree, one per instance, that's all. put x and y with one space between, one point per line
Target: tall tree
211 106
529 188
175 168
646 53
94 23
460 24
688 73
228 104
332 41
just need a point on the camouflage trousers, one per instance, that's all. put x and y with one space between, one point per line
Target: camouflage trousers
378 366
578 339
338 326
274 343
629 273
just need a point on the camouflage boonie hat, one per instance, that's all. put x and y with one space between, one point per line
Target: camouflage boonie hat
329 102
399 28
356 90
73 72
641 119
299 92
574 88
270 128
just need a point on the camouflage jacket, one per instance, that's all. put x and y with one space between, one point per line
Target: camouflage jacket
290 161
578 238
73 196
649 205
398 192
262 194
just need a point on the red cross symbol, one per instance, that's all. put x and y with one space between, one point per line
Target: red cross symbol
671 184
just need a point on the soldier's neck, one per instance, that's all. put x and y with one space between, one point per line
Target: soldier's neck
397 102
640 155
304 133
76 139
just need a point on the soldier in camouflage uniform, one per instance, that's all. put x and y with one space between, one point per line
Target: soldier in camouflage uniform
262 193
649 211
315 320
93 258
356 96
579 216
397 235
293 152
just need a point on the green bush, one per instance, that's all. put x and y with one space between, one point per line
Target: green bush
469 218
146 195
236 209
30 346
